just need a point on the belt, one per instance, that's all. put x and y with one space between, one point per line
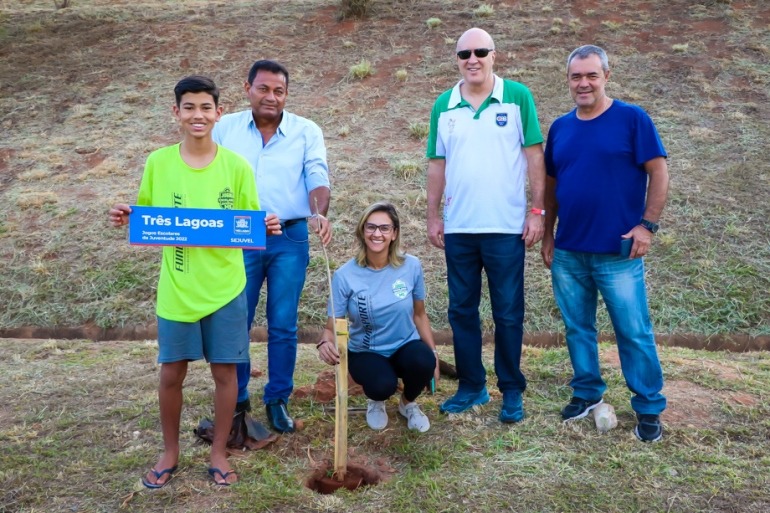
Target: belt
292 222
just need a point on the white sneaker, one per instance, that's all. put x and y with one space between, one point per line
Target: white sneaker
416 419
376 416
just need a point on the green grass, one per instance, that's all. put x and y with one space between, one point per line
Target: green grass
80 426
361 70
483 11
419 130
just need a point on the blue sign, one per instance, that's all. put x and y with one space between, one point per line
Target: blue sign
199 227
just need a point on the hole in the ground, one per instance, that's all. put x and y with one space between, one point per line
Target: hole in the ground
322 480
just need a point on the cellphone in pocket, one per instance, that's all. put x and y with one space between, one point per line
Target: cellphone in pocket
625 247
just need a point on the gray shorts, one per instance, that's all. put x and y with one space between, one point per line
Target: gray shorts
220 337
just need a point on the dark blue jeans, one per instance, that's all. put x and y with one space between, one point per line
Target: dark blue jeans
283 264
501 256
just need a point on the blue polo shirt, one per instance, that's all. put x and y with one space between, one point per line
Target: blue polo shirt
486 168
287 168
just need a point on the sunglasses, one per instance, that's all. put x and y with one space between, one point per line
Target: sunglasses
478 52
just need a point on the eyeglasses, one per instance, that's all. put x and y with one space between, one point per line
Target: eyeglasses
385 229
478 52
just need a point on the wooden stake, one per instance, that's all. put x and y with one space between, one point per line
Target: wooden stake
341 404
341 370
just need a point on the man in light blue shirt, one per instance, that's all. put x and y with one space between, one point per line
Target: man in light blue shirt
288 156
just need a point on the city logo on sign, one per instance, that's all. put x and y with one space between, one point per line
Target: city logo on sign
242 225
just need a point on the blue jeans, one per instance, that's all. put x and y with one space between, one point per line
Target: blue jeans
501 256
283 263
577 280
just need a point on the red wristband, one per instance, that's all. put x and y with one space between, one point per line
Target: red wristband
538 211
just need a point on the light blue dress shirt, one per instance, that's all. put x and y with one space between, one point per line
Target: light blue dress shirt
287 168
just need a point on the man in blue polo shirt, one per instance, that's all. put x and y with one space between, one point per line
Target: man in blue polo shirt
607 184
484 143
288 156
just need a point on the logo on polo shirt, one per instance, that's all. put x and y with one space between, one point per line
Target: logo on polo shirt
501 119
399 289
226 198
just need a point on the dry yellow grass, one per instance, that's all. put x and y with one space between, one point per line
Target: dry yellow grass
94 80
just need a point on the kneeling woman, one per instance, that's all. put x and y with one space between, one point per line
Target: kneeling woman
382 292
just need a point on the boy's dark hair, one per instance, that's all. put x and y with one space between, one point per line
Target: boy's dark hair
267 65
196 84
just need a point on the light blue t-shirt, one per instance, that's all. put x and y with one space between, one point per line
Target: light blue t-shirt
287 168
379 304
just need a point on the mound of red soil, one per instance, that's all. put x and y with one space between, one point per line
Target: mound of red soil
357 475
325 388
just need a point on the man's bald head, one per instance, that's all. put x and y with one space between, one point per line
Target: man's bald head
478 35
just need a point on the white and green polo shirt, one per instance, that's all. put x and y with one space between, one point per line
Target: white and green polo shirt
486 169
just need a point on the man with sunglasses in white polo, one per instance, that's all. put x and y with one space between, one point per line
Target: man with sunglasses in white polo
484 144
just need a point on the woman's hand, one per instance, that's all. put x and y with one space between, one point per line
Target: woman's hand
327 352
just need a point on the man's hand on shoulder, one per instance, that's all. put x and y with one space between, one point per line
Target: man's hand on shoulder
320 225
273 224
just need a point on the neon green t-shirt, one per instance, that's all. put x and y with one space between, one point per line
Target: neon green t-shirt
195 282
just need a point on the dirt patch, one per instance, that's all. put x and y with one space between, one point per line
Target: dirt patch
721 370
692 406
743 398
358 474
92 157
325 388
689 405
610 357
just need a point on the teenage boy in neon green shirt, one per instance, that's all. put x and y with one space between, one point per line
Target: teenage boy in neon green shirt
201 304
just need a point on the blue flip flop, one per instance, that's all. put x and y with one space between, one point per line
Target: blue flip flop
213 471
158 475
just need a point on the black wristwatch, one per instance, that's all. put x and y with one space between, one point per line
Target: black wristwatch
653 227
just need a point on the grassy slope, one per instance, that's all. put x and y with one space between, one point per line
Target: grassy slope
86 96
79 425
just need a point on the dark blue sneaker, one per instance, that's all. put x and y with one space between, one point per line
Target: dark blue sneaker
464 400
648 427
579 408
513 409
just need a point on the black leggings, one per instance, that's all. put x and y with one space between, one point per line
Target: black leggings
414 363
